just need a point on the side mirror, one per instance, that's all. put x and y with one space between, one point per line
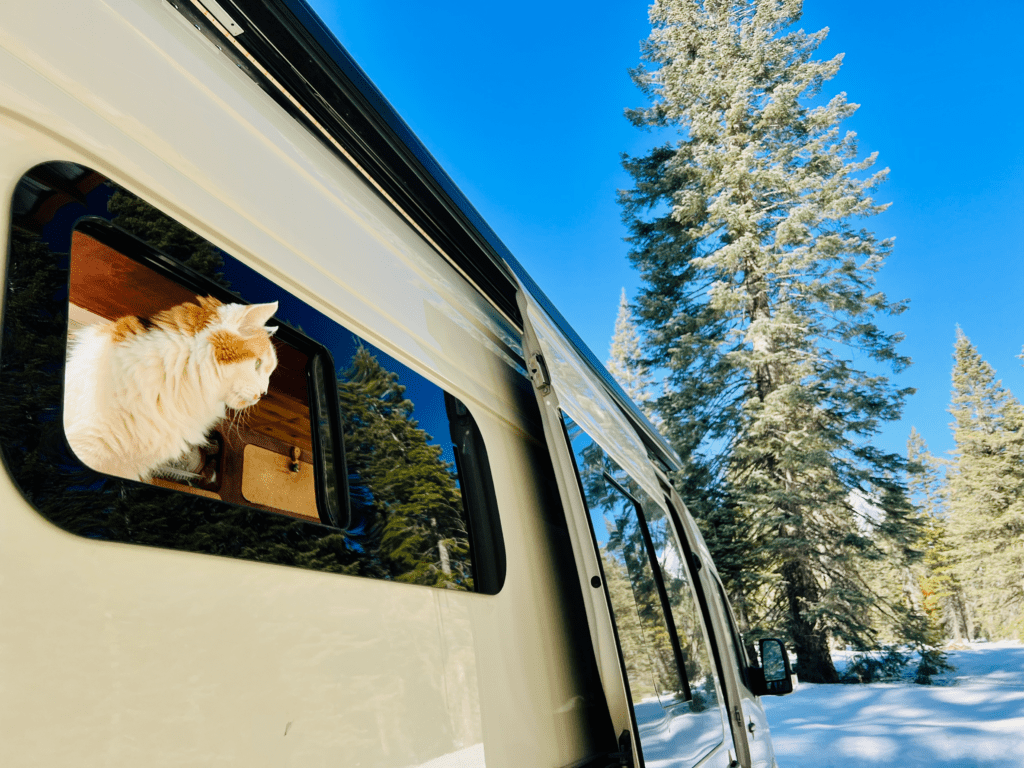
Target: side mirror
775 675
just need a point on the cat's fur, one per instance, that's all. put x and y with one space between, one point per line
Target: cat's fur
141 392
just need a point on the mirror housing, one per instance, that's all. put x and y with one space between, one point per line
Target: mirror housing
775 675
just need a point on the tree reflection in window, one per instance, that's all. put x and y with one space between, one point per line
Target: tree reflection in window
406 501
620 510
651 657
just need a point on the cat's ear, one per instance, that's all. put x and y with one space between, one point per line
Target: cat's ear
256 315
270 329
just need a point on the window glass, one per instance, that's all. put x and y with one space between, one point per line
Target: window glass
643 628
138 373
327 453
684 608
671 678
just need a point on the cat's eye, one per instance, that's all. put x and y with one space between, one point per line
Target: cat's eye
258 363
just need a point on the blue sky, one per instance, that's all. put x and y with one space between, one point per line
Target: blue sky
522 104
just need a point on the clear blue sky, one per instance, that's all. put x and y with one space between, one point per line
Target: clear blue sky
522 104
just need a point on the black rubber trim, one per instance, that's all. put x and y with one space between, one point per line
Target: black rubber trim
480 503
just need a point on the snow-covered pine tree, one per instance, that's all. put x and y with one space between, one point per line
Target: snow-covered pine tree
625 358
759 282
986 492
944 600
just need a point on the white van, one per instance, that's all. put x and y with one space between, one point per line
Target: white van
444 537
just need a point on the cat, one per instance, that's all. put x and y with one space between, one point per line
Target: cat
141 393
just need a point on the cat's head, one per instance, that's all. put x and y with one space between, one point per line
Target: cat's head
243 352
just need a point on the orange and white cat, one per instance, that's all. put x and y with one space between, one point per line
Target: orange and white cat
139 393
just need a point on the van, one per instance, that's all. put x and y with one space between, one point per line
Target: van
442 537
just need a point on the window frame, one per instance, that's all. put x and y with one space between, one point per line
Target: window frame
659 582
722 706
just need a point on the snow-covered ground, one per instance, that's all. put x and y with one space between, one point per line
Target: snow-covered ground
972 717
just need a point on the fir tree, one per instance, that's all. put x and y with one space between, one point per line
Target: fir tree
986 492
944 599
141 219
625 358
757 279
639 667
406 496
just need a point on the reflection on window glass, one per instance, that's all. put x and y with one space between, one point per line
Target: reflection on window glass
684 609
733 637
677 710
647 645
406 499
772 662
103 265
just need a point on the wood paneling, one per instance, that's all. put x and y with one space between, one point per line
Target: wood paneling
267 479
110 284
164 483
282 418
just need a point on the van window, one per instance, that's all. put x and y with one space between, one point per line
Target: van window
672 681
633 584
336 457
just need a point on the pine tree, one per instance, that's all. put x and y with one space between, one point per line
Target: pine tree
986 492
944 599
757 279
625 358
141 219
405 494
639 666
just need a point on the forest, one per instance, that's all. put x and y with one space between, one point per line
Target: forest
758 294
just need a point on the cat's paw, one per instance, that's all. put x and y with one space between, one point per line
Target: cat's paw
171 472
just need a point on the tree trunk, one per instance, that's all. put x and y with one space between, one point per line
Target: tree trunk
957 610
969 615
810 643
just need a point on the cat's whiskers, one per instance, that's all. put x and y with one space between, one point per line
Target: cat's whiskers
231 425
236 420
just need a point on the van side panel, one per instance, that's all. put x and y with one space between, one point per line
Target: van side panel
115 654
